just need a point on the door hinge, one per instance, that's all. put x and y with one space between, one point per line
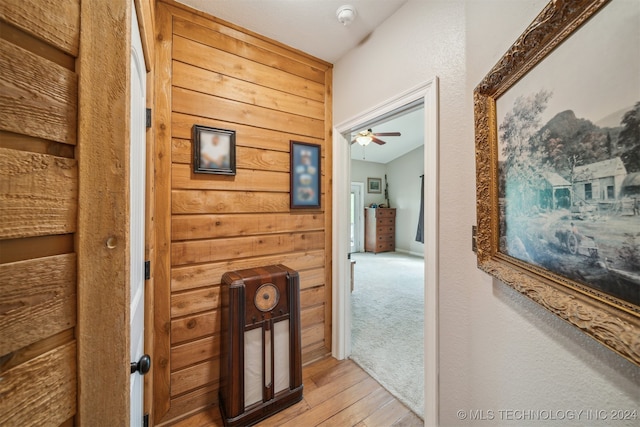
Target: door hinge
147 270
148 117
145 420
474 239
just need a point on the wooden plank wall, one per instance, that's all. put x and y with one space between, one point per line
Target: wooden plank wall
38 209
211 73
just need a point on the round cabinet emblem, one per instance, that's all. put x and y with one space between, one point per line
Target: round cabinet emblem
267 297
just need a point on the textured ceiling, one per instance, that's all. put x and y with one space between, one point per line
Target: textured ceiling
310 26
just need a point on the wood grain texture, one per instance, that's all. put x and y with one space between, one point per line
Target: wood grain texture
38 97
186 227
16 141
26 41
312 278
38 299
28 352
201 201
250 51
327 185
182 177
312 334
326 384
195 276
187 354
239 33
229 64
195 301
212 74
57 23
199 104
192 401
246 135
213 83
195 326
50 398
29 205
312 316
198 251
103 161
312 297
246 157
12 250
199 375
162 180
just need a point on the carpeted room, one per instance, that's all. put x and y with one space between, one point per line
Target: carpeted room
387 327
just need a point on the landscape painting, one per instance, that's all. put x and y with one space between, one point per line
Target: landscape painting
569 158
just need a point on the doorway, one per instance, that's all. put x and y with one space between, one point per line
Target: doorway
427 93
137 158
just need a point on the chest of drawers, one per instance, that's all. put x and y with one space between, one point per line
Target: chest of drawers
380 230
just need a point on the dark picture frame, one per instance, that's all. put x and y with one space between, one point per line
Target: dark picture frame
374 185
541 219
214 150
306 176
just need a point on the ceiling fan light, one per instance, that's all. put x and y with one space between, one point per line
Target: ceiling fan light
363 140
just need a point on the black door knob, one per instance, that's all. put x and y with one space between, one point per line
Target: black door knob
143 365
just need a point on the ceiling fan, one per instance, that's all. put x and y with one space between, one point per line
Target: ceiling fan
366 136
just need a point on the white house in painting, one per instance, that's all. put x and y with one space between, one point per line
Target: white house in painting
600 181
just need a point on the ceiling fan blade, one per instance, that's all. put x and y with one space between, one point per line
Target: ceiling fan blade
378 141
353 141
387 134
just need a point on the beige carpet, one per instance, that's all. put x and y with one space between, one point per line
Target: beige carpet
387 331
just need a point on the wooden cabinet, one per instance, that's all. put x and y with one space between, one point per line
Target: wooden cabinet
380 230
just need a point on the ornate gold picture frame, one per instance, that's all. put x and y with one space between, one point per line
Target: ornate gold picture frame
534 193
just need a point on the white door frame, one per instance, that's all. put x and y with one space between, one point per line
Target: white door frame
359 216
341 315
137 189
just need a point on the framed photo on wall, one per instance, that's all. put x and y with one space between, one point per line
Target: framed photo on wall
305 175
214 150
558 168
374 185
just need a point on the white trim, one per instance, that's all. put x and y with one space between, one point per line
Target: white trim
412 253
341 316
359 243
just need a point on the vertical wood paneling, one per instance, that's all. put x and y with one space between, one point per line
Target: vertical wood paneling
222 76
103 220
162 263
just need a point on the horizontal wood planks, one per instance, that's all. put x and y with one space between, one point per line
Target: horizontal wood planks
224 77
39 180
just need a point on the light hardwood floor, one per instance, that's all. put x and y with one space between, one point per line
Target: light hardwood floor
337 394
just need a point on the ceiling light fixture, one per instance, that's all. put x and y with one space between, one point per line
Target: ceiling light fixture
363 140
346 14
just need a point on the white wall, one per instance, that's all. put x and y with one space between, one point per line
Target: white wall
360 171
404 190
498 350
403 175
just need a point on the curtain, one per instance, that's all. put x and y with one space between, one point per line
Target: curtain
420 232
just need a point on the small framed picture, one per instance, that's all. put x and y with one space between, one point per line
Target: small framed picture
305 175
374 185
214 150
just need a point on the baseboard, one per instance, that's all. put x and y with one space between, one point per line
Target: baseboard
404 251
